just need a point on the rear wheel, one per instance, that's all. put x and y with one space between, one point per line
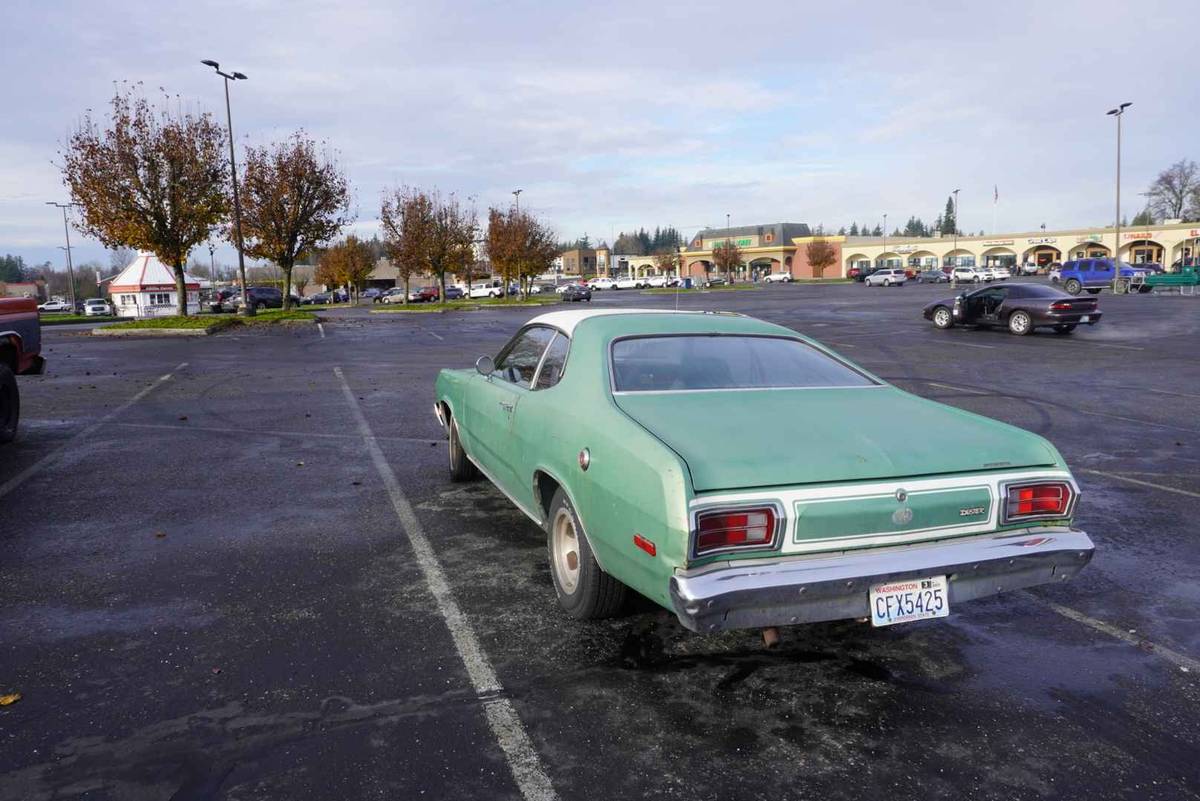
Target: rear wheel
10 404
1072 286
1020 323
461 468
584 591
943 317
260 306
1065 328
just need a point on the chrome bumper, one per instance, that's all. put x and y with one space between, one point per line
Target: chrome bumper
836 586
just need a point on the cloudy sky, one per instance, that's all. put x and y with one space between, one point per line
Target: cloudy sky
614 115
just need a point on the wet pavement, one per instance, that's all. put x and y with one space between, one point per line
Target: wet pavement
208 592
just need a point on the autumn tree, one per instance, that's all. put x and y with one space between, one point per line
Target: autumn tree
347 263
821 254
151 179
451 235
727 256
407 219
519 245
667 260
293 199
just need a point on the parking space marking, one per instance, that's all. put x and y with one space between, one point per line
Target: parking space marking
1169 392
238 432
1182 661
957 389
321 328
523 760
1120 347
48 459
1141 483
438 337
971 345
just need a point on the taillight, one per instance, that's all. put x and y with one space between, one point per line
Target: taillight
1062 305
735 529
1043 500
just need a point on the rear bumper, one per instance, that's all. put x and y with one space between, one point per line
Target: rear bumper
1068 318
836 586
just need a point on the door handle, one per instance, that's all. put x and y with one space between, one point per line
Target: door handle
506 406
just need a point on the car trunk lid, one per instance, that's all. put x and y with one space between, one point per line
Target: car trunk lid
734 439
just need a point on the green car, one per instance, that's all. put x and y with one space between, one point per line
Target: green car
743 476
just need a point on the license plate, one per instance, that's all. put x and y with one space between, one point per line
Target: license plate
908 600
1084 319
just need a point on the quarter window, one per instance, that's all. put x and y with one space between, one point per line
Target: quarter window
554 363
518 361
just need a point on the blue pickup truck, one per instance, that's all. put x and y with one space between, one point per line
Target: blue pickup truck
1093 274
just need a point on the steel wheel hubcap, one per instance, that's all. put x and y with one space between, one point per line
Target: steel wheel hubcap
1020 323
566 551
942 316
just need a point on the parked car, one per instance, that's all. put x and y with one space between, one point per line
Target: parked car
1029 268
455 293
55 306
487 289
892 276
393 295
966 275
598 284
661 281
627 283
855 273
316 299
372 294
715 281
97 307
779 278
1019 307
1001 273
577 292
261 297
20 354
1093 275
588 422
988 273
932 276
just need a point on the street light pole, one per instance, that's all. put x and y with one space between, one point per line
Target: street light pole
884 257
955 262
246 309
67 232
1118 112
517 194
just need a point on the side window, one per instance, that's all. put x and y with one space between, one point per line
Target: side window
553 364
519 359
1084 266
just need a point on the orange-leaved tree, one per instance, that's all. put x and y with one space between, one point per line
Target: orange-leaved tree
821 254
150 179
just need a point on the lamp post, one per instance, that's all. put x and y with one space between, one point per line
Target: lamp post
884 256
955 251
1118 112
67 233
246 309
517 194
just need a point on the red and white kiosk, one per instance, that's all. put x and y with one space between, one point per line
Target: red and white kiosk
146 288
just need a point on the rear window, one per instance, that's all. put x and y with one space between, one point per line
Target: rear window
719 361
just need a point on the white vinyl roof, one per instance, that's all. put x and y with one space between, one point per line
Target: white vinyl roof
567 320
147 273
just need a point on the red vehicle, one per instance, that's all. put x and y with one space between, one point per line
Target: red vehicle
426 294
853 272
20 353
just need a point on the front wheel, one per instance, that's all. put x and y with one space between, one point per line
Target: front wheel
10 404
887 282
1072 286
584 591
461 468
943 318
1020 323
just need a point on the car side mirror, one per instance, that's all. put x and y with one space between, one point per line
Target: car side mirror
484 365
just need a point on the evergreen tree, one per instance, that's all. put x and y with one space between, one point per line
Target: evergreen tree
877 230
853 229
937 225
842 231
12 268
949 221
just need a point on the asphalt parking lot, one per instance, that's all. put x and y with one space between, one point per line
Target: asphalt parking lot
210 588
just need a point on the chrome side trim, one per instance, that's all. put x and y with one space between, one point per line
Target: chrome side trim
535 518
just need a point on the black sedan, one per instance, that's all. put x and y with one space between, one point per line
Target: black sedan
1019 307
934 276
577 292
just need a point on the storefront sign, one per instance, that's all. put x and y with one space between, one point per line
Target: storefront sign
906 249
1132 235
996 243
1045 240
741 243
1088 238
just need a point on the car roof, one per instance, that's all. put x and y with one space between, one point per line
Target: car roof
622 322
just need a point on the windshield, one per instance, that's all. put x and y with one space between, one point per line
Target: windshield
705 362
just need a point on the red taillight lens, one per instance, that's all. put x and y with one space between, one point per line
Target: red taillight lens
735 528
1051 499
1061 305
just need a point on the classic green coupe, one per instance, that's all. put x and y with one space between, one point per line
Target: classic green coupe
742 475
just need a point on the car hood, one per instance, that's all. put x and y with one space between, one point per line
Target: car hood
757 438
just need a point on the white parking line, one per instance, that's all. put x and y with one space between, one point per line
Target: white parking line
48 459
970 345
523 760
1141 483
1119 347
956 389
438 337
258 432
1169 392
1182 661
321 328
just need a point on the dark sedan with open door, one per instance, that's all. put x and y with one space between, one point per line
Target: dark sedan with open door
1018 307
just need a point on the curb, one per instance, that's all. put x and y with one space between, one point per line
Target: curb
156 332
